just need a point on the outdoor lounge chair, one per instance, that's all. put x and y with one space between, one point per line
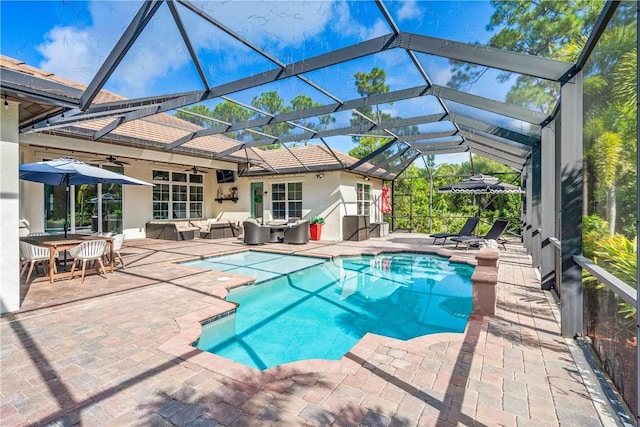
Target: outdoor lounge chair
297 232
494 233
466 230
254 233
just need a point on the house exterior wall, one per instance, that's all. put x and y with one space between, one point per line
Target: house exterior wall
137 207
332 196
9 210
349 197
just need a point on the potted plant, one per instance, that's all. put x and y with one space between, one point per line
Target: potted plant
315 227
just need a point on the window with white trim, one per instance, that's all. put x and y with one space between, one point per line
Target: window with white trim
363 199
286 200
177 195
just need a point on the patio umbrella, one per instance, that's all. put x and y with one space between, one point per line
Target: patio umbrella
481 184
69 172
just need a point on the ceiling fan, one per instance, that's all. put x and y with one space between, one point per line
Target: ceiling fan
115 161
195 170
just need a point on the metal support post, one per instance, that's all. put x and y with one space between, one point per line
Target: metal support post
569 145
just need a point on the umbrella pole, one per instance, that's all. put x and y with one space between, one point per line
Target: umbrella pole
66 208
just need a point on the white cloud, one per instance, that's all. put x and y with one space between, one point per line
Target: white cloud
77 52
283 23
68 53
409 11
348 26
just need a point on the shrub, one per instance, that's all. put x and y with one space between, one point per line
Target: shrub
316 220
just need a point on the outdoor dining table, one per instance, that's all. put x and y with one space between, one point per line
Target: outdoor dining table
58 242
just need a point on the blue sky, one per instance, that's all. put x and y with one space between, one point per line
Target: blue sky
72 38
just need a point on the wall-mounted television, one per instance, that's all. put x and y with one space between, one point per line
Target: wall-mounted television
223 175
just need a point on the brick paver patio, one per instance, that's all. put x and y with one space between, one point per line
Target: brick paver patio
114 352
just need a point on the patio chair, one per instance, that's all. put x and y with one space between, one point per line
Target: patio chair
466 230
254 233
23 229
297 232
91 250
103 233
31 255
118 239
37 234
494 233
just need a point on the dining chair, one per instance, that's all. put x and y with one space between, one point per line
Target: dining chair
117 240
91 250
31 255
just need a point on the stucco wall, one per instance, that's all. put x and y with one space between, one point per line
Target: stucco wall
331 196
137 207
9 209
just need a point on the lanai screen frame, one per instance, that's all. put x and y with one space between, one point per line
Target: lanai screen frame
474 136
519 151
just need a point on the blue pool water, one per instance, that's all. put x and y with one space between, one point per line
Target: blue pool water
310 308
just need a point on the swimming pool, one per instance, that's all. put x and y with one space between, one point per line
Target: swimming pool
310 308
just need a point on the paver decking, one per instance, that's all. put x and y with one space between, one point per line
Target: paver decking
111 352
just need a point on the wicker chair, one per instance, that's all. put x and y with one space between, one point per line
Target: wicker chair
91 250
254 233
297 233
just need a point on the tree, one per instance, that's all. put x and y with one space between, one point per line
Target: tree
231 112
367 84
271 103
199 116
560 30
610 100
538 28
226 111
304 102
372 83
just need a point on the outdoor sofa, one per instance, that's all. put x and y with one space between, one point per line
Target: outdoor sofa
215 229
171 230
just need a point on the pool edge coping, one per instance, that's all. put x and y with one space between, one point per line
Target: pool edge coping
181 347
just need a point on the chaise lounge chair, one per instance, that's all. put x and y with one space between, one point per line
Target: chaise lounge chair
467 230
494 233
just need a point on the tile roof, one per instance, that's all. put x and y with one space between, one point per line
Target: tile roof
158 130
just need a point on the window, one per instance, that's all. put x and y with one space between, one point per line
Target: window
286 200
363 199
97 207
177 195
